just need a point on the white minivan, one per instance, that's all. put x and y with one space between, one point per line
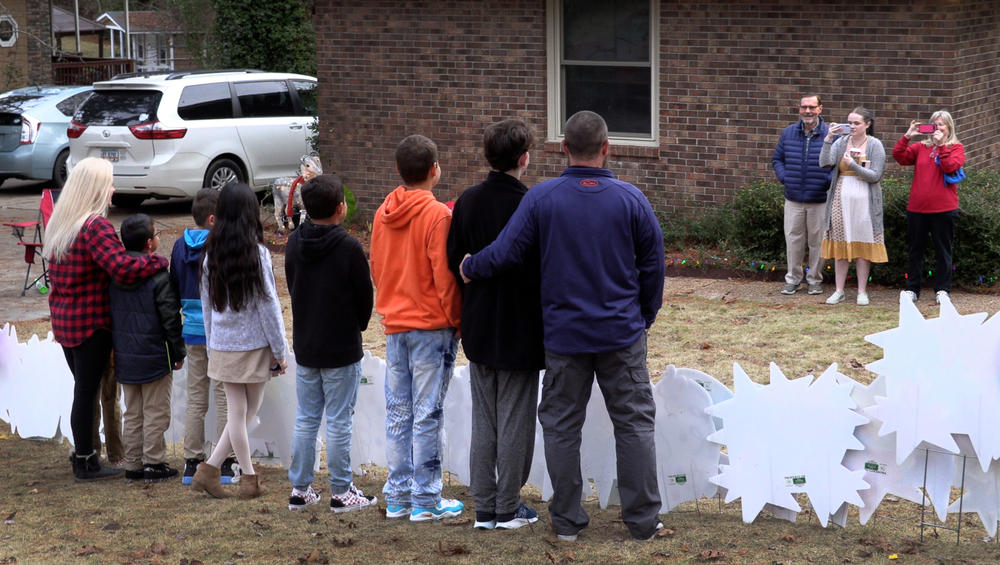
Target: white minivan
170 134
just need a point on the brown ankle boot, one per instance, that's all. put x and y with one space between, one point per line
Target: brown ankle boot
206 479
250 486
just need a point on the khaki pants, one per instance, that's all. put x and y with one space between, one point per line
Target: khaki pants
198 385
804 226
147 417
107 407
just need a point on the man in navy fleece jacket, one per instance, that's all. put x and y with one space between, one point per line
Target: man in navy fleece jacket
602 271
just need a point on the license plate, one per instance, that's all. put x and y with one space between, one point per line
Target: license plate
109 154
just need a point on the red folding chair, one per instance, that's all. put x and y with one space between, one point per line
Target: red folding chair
33 247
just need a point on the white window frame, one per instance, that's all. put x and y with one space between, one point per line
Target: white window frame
554 75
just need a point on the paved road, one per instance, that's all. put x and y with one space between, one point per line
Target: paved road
19 202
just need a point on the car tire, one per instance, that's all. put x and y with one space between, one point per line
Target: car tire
128 200
59 171
222 172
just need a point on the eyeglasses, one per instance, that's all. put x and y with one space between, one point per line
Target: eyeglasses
808 107
157 234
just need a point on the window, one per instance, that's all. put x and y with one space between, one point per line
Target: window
306 90
205 102
68 106
118 108
8 31
603 57
264 99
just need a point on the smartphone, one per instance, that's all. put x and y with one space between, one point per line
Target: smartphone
276 367
927 128
845 129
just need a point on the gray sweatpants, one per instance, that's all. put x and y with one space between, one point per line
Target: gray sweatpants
624 381
503 436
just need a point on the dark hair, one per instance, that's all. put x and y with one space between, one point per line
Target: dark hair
321 195
415 156
586 133
504 143
136 230
235 275
866 116
204 205
819 102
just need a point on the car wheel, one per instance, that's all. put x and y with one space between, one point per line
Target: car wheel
222 172
127 200
59 169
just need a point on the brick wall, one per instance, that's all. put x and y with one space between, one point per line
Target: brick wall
730 77
39 54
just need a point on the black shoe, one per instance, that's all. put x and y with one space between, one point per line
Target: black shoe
135 475
190 466
88 468
158 472
230 471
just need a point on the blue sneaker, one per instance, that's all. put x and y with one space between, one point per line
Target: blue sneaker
522 517
447 508
397 511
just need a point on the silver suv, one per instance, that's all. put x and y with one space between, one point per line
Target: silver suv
170 134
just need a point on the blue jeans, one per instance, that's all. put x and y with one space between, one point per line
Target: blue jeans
419 364
336 391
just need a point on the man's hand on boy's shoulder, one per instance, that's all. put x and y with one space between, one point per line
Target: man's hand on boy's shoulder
178 365
461 269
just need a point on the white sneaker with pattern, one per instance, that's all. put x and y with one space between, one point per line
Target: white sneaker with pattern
353 499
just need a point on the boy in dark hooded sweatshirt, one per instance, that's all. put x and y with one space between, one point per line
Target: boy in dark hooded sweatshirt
185 276
146 334
331 291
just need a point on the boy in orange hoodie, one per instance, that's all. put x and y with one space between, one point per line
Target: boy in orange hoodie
419 301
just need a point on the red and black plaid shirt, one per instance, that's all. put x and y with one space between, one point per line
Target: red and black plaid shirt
79 299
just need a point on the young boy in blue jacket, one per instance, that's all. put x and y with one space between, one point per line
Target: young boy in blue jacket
185 277
146 334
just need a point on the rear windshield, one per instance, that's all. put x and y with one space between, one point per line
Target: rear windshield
118 108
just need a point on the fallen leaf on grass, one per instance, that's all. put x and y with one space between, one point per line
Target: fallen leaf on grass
157 548
263 510
238 555
711 554
704 346
33 491
112 527
315 557
86 550
9 520
460 521
855 364
32 483
186 561
684 547
345 542
662 554
911 546
788 538
316 534
664 532
260 525
313 519
139 554
451 549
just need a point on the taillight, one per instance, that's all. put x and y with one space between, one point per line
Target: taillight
75 129
29 129
154 130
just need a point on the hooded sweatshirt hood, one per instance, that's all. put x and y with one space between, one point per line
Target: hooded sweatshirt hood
401 206
318 241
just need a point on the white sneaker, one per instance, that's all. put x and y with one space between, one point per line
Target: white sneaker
835 298
446 508
353 499
910 294
300 499
941 295
862 299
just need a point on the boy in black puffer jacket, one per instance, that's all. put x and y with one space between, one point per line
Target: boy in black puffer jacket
146 333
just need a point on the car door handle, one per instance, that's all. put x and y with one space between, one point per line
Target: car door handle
294 126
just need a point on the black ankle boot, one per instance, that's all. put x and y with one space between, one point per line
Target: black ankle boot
88 468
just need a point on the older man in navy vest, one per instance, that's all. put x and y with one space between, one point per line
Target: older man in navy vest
796 164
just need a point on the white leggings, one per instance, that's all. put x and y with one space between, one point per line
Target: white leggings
242 401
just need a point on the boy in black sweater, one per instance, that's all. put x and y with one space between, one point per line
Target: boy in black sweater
146 333
501 335
331 291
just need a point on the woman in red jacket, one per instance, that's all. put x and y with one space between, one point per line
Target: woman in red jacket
933 204
85 254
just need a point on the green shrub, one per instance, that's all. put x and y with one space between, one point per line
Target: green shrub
749 229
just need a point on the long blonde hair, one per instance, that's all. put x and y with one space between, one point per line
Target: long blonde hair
952 139
87 193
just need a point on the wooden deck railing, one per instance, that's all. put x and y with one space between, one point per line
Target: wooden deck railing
87 71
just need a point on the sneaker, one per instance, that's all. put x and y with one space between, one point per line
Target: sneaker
659 526
446 508
158 472
485 521
566 537
911 295
300 499
522 517
190 466
230 471
835 298
353 499
941 295
397 511
862 299
789 289
816 288
88 468
135 475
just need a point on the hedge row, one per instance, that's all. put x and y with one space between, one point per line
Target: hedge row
750 229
